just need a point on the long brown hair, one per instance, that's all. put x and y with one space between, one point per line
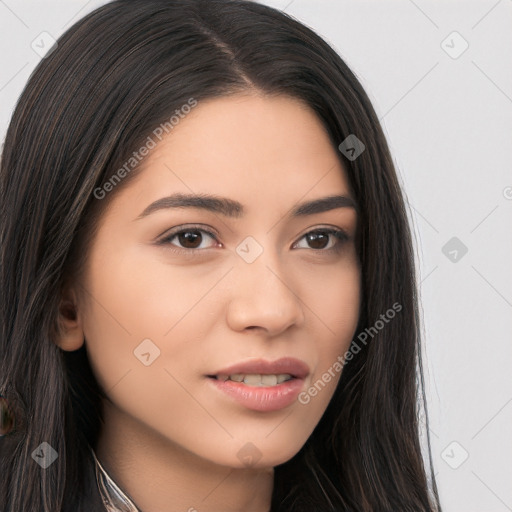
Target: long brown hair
115 75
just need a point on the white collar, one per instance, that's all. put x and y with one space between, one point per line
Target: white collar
114 499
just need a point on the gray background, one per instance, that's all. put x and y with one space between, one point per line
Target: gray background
447 114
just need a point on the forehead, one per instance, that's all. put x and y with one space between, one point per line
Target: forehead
261 150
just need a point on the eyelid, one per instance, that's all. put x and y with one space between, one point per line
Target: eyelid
325 227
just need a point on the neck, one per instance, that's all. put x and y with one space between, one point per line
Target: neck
161 476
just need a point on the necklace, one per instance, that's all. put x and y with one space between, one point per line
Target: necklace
114 499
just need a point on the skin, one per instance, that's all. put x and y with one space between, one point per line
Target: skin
171 440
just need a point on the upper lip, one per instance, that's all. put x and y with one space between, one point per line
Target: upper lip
289 365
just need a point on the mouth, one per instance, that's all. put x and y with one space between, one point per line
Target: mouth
260 372
261 385
257 380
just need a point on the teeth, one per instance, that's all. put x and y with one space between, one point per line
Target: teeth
253 380
256 379
269 380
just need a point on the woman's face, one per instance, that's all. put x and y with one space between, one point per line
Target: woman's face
178 296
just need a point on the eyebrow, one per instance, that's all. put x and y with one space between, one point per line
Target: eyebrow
230 208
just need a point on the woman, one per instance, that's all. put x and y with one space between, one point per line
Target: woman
208 289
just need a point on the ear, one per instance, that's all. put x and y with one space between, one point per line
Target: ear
70 334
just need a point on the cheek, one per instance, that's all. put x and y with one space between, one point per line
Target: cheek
132 301
332 295
339 304
143 328
335 303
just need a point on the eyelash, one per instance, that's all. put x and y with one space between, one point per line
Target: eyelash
340 235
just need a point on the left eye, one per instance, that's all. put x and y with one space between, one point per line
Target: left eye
324 239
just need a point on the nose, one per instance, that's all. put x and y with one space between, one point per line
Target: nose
263 298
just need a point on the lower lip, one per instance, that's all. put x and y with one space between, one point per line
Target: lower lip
264 398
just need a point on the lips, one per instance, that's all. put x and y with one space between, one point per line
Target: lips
261 385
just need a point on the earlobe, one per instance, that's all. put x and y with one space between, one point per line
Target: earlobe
70 335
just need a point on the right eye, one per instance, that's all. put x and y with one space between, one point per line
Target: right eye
190 238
